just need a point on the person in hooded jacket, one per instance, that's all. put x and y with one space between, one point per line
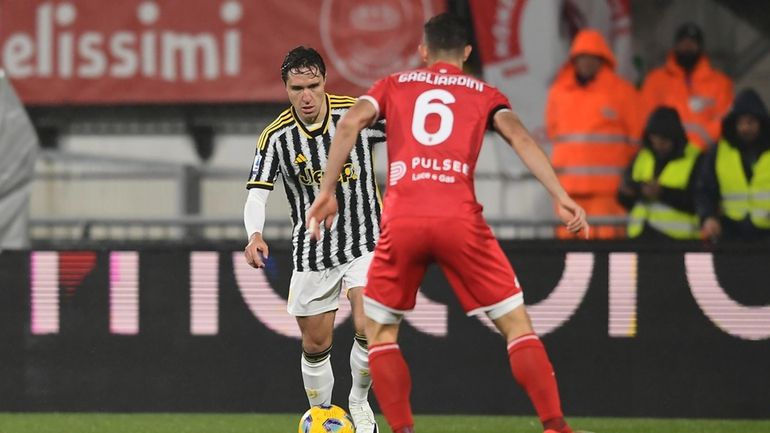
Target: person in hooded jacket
733 195
593 120
659 185
687 81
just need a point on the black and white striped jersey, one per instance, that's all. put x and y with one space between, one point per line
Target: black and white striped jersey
288 148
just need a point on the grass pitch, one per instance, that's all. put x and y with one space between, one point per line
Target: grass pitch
263 423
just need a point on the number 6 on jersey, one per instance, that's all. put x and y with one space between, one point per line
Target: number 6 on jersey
426 104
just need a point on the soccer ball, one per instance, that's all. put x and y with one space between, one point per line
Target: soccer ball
326 419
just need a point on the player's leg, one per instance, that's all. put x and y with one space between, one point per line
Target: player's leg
483 281
391 374
313 300
531 367
355 278
397 268
317 373
358 399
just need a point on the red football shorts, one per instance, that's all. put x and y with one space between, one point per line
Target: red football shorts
466 250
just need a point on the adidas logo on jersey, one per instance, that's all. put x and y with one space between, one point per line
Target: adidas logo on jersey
300 159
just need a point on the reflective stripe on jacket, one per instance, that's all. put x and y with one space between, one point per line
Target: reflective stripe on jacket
664 218
739 196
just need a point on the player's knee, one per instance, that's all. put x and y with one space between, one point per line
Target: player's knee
359 323
356 302
316 342
314 357
378 333
360 326
514 323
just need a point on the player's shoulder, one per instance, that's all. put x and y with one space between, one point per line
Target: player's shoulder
341 101
487 91
281 120
284 119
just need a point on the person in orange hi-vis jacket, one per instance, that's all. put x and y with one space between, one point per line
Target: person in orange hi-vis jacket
701 94
594 121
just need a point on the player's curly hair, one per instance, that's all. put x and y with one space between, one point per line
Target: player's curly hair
445 32
302 58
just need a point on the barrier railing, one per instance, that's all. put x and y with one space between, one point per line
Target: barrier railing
191 230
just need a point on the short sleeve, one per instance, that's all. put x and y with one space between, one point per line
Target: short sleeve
377 96
264 169
496 102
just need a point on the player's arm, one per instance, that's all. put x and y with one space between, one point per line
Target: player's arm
362 114
256 252
507 124
261 181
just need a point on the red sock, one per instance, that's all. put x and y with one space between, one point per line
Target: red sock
533 371
392 385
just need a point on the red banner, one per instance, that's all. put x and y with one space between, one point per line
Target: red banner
498 25
170 51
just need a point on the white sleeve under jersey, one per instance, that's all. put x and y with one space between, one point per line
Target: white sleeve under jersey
254 210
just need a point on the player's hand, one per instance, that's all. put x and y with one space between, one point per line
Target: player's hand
322 211
711 229
573 216
256 252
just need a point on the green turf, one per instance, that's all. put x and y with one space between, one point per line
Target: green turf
218 423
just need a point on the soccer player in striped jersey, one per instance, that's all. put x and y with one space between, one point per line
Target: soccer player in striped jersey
295 146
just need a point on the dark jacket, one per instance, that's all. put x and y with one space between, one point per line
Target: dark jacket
708 196
664 121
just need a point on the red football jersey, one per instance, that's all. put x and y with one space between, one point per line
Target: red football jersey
435 121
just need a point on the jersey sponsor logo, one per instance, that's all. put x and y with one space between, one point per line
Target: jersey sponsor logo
366 40
397 172
436 164
438 170
311 177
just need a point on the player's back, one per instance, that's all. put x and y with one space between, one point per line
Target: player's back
436 118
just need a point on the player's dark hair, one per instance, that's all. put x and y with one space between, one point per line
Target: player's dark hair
445 32
302 58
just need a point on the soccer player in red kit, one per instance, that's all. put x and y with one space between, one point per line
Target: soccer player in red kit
436 118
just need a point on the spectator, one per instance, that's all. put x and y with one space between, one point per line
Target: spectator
659 186
687 82
733 197
593 120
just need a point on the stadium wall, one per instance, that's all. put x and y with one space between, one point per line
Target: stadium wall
632 330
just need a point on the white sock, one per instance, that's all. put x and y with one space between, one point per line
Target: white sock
359 369
318 379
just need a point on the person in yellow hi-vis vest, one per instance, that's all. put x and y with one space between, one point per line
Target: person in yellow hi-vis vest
733 195
659 185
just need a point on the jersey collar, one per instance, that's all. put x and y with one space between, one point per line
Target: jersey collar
450 68
318 131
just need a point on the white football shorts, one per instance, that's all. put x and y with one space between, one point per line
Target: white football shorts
316 292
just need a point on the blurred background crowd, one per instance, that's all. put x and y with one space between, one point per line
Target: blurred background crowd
138 122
